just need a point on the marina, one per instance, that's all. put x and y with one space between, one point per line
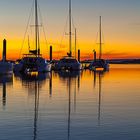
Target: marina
64 79
34 62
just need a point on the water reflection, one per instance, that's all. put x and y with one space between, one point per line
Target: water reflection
28 79
34 89
69 106
4 80
99 75
32 76
71 78
36 108
34 82
80 104
50 85
67 74
75 93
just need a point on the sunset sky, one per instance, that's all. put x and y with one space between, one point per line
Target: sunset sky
121 26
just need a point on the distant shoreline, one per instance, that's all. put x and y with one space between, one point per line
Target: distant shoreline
111 61
118 61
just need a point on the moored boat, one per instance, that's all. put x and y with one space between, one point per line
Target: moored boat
33 61
99 64
69 62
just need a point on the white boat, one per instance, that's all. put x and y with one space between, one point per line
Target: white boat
5 66
33 61
99 64
69 62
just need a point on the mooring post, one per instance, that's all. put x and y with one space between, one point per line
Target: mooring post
79 55
4 50
94 55
50 53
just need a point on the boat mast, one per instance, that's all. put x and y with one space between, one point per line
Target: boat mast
36 29
100 30
75 42
70 33
28 43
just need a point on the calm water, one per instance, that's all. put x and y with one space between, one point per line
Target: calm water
72 106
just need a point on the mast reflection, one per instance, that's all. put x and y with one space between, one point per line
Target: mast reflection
69 107
100 98
70 77
75 93
28 80
100 75
36 108
50 85
33 82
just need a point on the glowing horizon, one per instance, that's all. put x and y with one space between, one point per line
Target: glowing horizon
121 27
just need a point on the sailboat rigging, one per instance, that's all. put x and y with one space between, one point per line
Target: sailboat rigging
33 61
69 63
100 63
70 32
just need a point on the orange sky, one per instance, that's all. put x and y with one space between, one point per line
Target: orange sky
120 27
118 51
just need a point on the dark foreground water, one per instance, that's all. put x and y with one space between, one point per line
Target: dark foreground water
71 106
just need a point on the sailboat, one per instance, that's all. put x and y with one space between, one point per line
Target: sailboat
100 63
68 62
33 61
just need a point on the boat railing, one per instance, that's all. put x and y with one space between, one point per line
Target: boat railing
32 55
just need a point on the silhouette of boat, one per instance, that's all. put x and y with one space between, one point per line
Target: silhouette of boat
33 61
99 64
69 62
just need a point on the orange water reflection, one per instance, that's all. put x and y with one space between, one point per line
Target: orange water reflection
64 101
